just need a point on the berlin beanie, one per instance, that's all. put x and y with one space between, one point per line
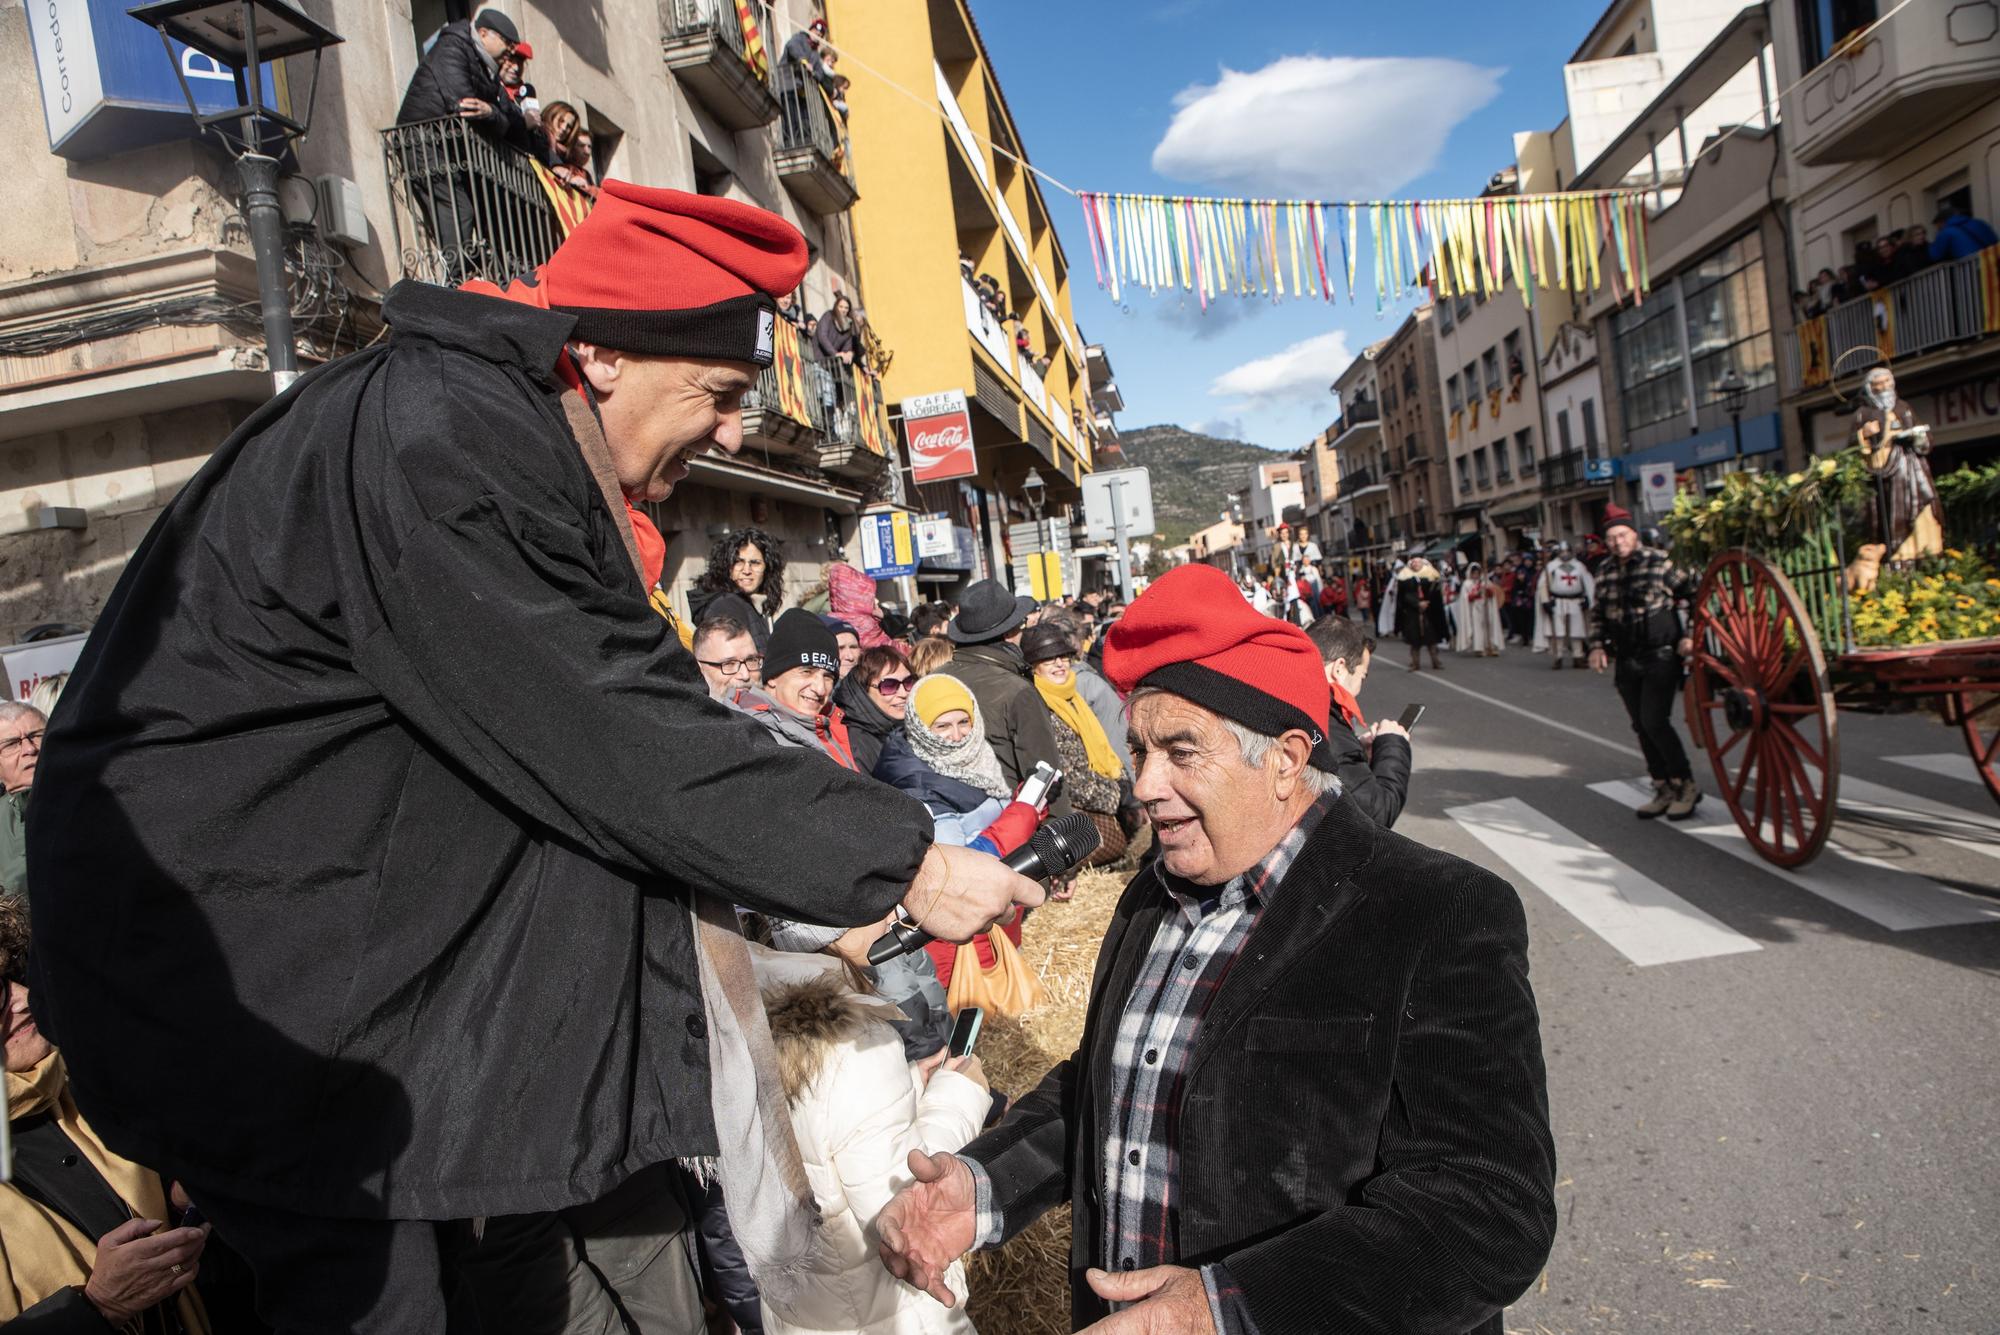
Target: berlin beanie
800 639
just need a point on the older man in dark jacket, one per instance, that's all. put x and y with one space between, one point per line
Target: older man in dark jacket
400 836
987 631
1310 1094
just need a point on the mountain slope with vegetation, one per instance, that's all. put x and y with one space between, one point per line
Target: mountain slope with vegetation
1192 474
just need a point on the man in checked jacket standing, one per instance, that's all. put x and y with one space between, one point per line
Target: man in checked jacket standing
1310 1093
1637 622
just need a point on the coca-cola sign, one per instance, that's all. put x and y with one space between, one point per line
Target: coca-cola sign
939 431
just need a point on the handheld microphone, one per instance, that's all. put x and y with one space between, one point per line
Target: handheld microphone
1057 848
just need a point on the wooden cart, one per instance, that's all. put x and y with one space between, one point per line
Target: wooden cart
1774 662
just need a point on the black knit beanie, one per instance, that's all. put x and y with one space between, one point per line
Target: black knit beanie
800 639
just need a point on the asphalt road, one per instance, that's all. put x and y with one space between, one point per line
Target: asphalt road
1791 1121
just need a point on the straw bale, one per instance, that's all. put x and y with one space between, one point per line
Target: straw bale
1023 1288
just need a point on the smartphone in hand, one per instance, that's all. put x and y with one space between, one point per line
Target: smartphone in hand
965 1031
1410 717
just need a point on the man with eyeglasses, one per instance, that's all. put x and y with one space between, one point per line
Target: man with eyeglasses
20 751
727 656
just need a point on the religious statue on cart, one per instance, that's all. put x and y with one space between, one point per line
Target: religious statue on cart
1897 448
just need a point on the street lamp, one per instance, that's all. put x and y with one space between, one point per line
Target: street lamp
1033 488
1735 391
241 35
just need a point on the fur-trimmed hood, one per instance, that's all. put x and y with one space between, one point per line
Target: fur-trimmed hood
812 1016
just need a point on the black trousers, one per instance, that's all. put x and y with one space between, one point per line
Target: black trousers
1648 683
320 1276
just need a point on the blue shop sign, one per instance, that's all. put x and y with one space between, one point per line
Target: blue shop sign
1760 436
1600 470
106 83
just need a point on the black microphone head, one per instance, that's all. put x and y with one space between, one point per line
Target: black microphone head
1065 843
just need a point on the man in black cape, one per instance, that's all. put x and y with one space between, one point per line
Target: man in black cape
391 837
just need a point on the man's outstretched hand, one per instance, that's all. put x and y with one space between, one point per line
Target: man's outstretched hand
959 893
928 1224
1166 1300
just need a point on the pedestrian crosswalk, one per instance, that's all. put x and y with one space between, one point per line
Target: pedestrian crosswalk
1649 924
1950 764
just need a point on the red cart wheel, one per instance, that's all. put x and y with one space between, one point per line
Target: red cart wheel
1760 704
1981 721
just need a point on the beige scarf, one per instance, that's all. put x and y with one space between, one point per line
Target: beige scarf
771 1205
41 1252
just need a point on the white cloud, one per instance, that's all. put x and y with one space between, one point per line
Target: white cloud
1302 371
1322 127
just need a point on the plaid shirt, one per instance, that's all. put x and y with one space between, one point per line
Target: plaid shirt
1631 591
1190 955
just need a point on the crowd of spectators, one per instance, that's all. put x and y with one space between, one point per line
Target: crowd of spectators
1894 256
988 289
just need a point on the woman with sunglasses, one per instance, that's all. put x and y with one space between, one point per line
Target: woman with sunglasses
874 698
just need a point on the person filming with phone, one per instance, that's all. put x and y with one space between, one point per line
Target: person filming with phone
1374 762
1309 1094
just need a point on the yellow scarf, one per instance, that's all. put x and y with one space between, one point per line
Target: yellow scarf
40 1251
1064 702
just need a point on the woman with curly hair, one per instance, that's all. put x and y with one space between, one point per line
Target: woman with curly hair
744 569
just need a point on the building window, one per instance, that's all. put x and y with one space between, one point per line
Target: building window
1524 451
1479 466
1652 369
1823 24
1464 475
1502 470
1517 369
1590 429
1491 361
1471 381
1562 431
1729 318
1451 393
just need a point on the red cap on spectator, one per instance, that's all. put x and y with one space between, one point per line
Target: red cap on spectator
1617 516
667 273
1192 633
524 51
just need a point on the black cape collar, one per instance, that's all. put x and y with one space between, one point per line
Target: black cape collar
493 328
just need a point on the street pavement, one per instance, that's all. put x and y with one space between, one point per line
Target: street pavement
1775 1095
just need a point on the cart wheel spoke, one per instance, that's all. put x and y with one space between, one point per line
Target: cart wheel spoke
1761 659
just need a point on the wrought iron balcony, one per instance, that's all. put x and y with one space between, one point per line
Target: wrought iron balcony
811 156
1940 305
463 206
708 47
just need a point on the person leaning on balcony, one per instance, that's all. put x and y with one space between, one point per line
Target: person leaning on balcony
460 76
429 833
837 337
1959 234
550 141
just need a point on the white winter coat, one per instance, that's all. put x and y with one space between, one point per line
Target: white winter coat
858 1109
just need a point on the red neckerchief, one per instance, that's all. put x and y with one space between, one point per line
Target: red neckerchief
1350 708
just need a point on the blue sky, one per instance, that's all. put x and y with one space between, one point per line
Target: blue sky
1332 99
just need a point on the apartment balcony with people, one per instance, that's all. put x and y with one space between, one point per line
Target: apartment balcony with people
1862 94
721 52
1360 483
463 206
804 415
1843 332
811 152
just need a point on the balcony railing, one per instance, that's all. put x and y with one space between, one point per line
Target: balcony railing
463 206
811 155
1566 470
1358 482
1944 304
707 49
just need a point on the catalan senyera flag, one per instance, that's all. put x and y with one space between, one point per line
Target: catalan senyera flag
1815 364
789 369
754 54
868 409
571 206
1989 288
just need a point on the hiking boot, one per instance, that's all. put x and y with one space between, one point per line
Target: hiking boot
1686 797
1663 797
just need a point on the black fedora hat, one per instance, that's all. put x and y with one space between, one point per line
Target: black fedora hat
986 612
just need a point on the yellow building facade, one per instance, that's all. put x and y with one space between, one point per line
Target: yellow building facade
942 180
